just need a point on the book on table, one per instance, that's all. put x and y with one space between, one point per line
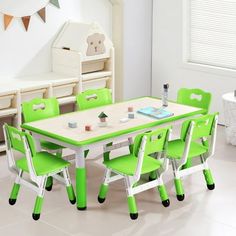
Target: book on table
158 113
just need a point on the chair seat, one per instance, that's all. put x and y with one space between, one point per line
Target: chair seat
50 146
127 164
176 149
44 163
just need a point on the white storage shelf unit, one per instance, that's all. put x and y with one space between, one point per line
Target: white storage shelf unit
82 59
85 51
48 85
9 110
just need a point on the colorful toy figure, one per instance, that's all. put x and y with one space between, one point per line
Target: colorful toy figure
88 127
102 117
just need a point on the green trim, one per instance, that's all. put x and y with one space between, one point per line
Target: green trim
179 187
70 192
38 205
163 193
81 187
15 191
103 191
208 177
27 126
132 205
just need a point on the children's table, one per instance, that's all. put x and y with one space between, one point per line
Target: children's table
56 130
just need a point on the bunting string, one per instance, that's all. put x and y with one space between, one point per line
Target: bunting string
7 19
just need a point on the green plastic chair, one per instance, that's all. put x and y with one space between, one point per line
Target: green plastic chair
39 109
197 140
149 155
93 98
195 97
39 165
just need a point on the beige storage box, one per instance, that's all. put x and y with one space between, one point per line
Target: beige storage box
9 120
6 101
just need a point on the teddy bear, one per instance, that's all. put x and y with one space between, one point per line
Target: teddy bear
96 44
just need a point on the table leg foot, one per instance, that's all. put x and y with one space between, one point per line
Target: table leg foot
81 208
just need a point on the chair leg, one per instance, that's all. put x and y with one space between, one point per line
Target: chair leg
69 187
14 194
164 195
15 189
102 193
104 187
152 176
133 211
39 199
49 183
209 179
37 207
86 152
179 189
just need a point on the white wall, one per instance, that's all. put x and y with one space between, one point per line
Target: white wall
132 31
137 48
168 53
24 53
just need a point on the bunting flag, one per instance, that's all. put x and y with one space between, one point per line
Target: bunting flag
55 3
26 19
7 20
42 14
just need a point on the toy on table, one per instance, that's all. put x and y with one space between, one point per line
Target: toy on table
130 112
102 117
165 95
124 120
72 124
131 115
88 128
130 109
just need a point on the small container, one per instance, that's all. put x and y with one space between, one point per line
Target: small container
88 128
72 124
130 109
131 115
165 95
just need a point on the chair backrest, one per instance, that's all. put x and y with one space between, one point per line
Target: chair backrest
149 143
93 98
202 127
21 142
38 109
14 137
194 97
156 141
199 129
